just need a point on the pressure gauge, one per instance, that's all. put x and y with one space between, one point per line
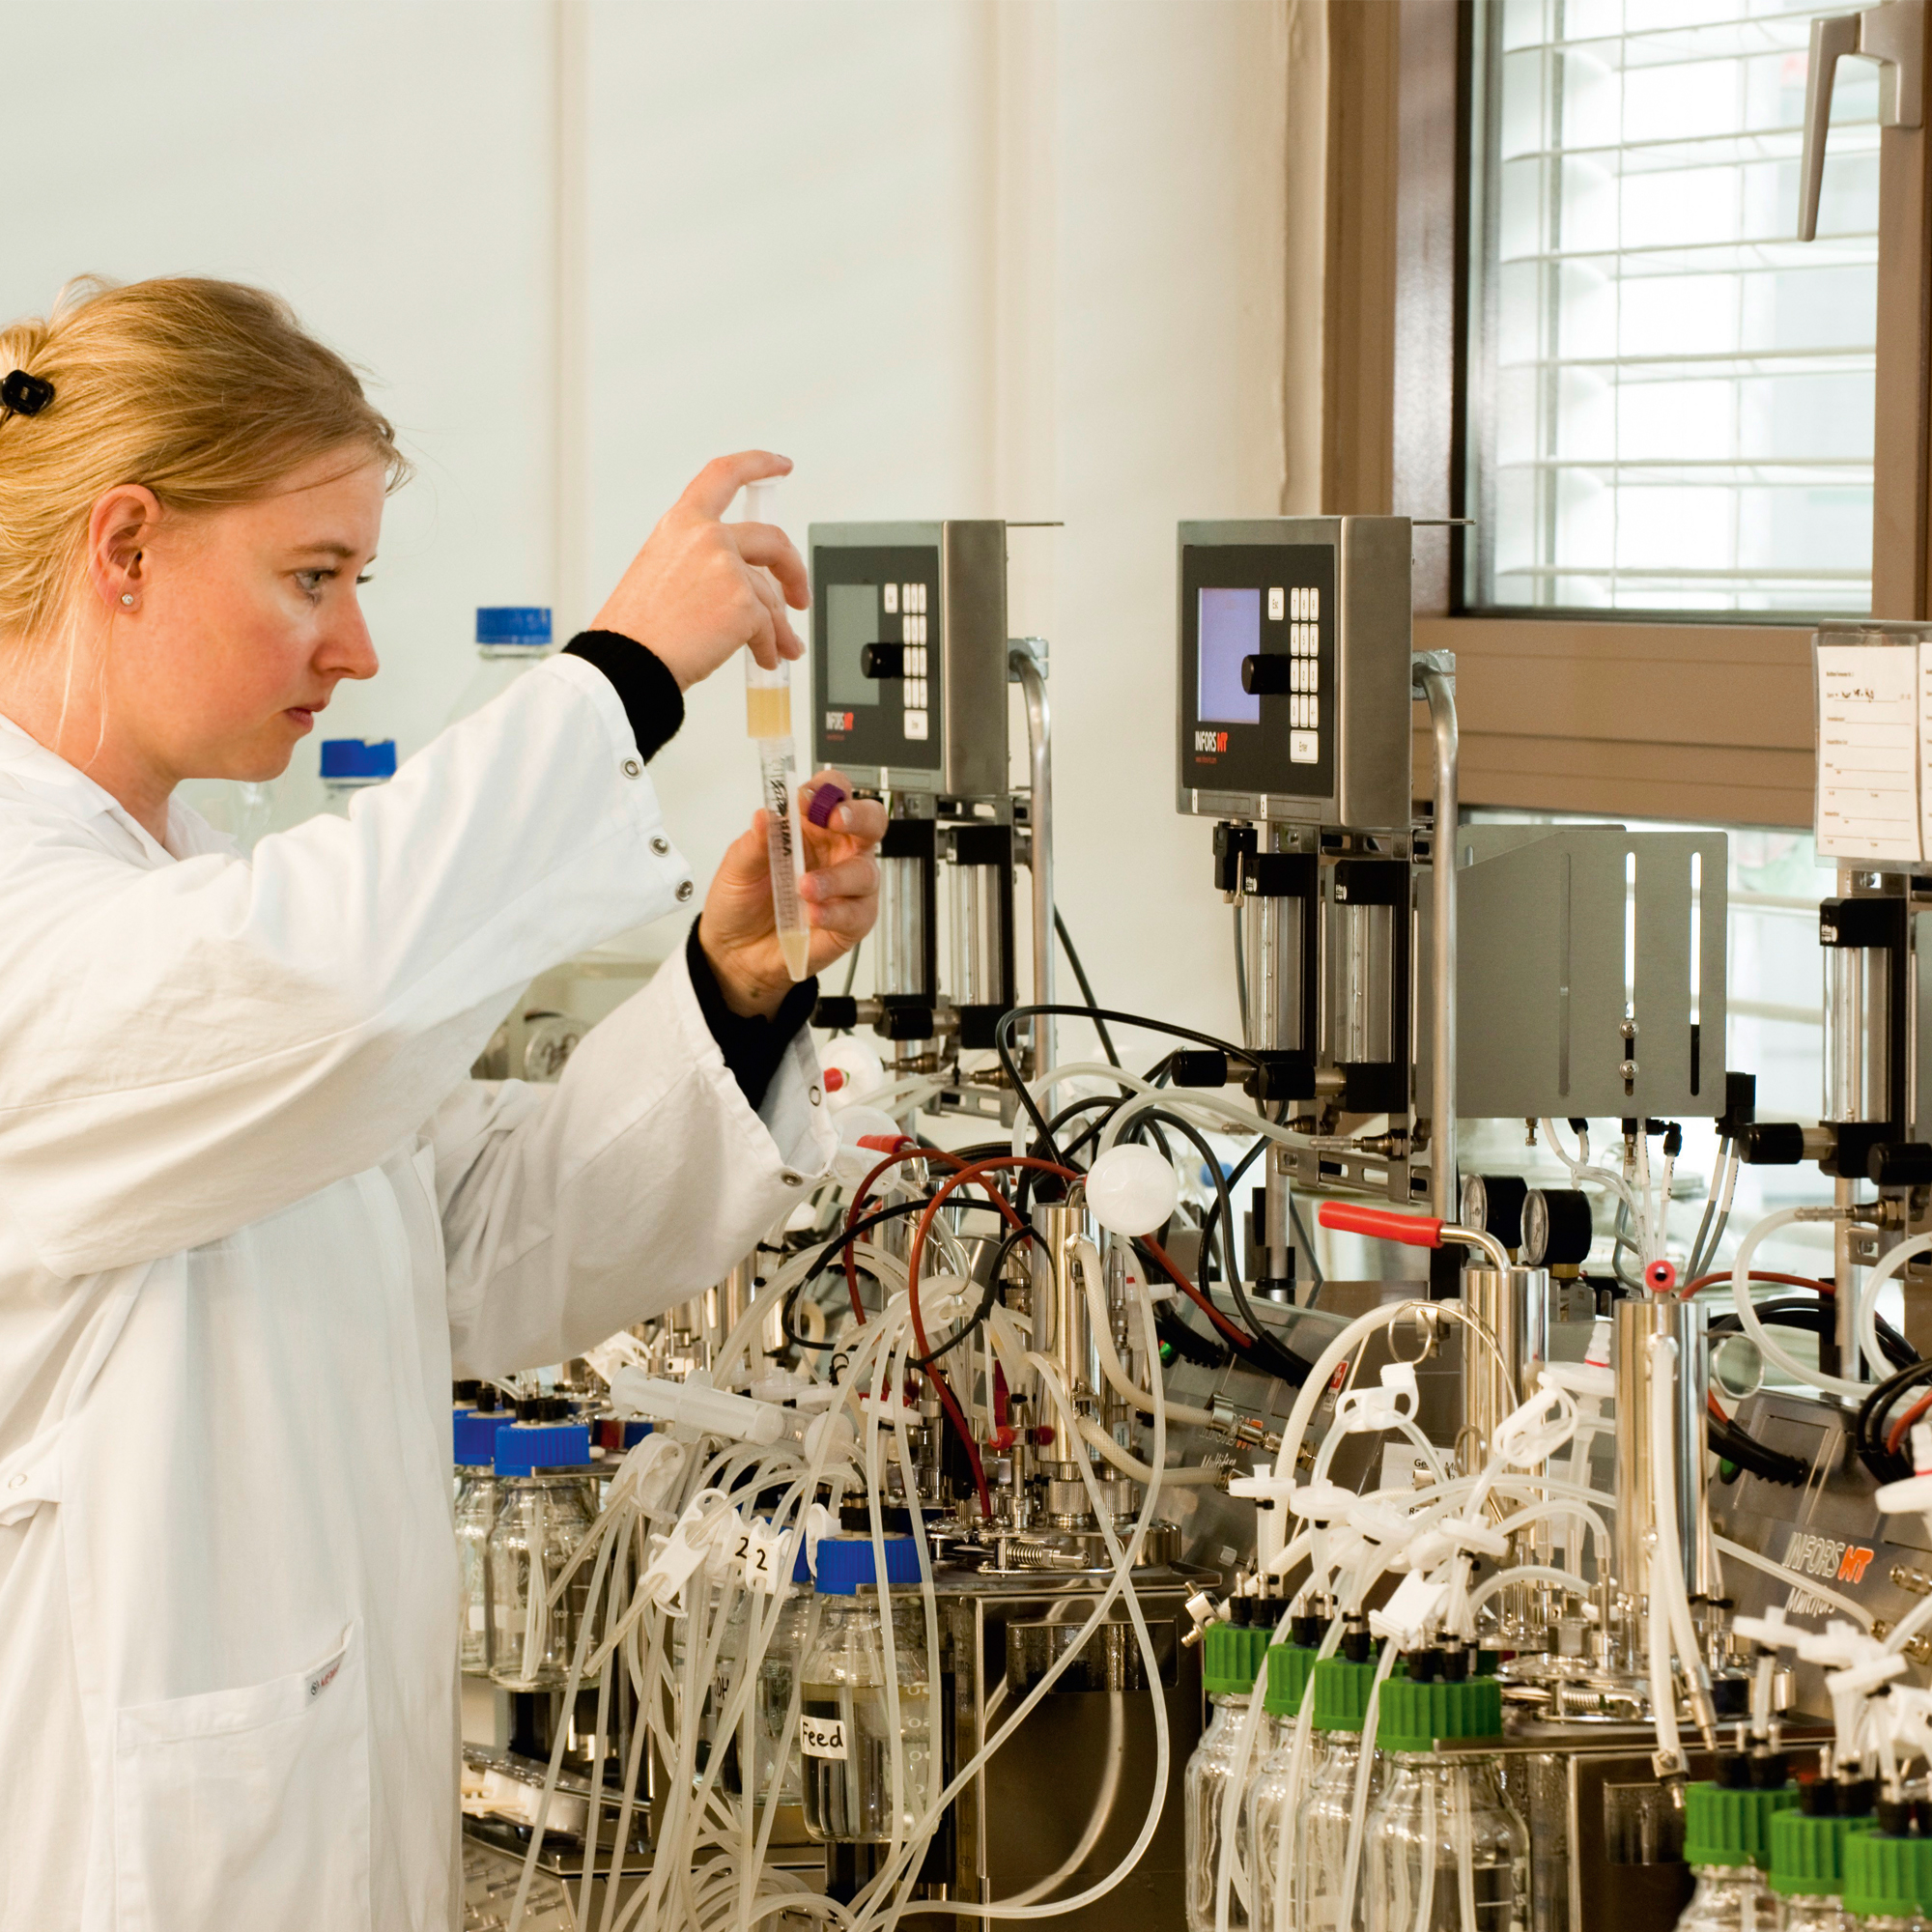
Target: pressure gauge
1556 1230
1493 1204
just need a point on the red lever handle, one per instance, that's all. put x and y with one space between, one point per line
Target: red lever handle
1418 1231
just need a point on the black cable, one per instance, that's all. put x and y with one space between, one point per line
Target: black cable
1817 1317
842 1240
1086 987
1015 1236
1888 1466
1279 1360
1733 1444
1002 1039
1188 1341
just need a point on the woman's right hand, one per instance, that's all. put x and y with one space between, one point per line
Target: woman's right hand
695 594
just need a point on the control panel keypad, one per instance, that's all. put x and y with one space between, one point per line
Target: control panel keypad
911 599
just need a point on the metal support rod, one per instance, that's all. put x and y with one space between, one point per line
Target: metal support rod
1026 665
1438 687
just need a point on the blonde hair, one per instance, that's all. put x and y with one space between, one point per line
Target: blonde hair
208 392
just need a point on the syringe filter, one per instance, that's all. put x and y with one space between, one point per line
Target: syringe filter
1131 1189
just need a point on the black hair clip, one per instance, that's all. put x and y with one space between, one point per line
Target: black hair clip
25 395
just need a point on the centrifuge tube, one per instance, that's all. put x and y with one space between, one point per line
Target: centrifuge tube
768 720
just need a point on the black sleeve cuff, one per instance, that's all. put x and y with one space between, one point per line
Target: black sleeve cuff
753 1047
643 681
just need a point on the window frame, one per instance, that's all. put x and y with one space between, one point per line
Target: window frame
1619 714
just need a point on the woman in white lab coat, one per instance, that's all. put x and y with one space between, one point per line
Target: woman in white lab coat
253 1212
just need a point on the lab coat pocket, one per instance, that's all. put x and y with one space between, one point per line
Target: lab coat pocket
247 1808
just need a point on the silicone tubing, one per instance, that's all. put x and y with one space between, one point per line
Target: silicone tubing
1384 1224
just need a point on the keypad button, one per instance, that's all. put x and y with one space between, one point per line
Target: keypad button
1304 748
915 724
892 591
1277 604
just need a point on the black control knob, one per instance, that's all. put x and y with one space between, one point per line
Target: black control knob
1771 1144
1899 1164
1199 1066
838 1015
1266 674
882 659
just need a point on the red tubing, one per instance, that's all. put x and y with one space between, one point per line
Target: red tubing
1416 1231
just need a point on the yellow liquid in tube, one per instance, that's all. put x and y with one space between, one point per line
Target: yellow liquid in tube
768 710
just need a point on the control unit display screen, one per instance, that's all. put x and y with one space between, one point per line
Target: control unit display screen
851 623
1231 630
1258 656
884 599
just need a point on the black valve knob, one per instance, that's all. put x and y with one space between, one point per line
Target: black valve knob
882 661
1266 674
838 1013
1199 1066
1771 1144
1899 1164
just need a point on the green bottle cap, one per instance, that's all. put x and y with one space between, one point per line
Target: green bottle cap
1414 1716
1288 1669
1808 1855
1342 1692
1231 1659
1886 1878
1731 1828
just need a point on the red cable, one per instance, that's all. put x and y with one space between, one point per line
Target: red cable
965 1176
1757 1274
1901 1429
1194 1295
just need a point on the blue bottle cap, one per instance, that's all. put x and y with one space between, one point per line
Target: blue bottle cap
846 1564
476 1435
358 758
513 624
528 1448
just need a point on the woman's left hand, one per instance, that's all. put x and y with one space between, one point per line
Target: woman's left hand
839 893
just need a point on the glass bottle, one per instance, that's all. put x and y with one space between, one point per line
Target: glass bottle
350 765
1445 1851
1231 1660
1808 1852
1270 1801
1727 1846
510 638
1888 1881
1305 1833
846 1740
778 1673
542 1515
475 1512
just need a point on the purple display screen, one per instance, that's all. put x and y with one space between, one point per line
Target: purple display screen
1231 630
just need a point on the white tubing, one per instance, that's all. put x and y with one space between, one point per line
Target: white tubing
1665 1558
1521 1573
1866 1315
1582 1175
1741 1297
1351 1869
1098 1438
1100 1325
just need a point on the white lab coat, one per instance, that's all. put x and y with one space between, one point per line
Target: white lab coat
253 1213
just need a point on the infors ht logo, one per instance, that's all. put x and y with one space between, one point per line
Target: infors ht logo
1211 741
838 721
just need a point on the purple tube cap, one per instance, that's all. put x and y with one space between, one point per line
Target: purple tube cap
825 801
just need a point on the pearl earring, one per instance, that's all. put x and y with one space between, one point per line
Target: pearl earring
127 597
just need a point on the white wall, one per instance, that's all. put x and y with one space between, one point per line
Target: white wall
970 257
390 175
